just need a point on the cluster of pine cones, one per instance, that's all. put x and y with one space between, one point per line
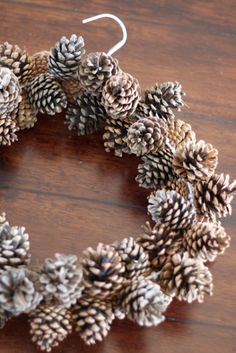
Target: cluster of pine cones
133 278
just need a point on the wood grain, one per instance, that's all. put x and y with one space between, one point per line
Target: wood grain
71 194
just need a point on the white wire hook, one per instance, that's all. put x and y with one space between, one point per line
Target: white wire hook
122 26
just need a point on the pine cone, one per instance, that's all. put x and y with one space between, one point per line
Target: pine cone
60 280
206 240
181 187
65 56
86 114
49 325
39 63
14 246
72 89
121 95
171 209
103 271
146 135
93 320
17 292
213 197
27 114
8 129
179 133
17 60
135 259
115 136
95 69
163 98
158 243
46 95
156 170
195 161
9 92
144 302
188 279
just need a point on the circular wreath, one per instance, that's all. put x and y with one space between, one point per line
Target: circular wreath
136 277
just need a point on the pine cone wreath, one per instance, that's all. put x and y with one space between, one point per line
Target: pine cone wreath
92 320
186 278
61 280
135 259
72 89
206 240
179 133
8 128
17 60
10 92
146 135
163 98
95 69
65 56
49 325
121 95
17 292
213 196
195 161
144 302
103 271
14 246
115 136
46 95
26 114
39 63
86 114
157 242
156 169
171 209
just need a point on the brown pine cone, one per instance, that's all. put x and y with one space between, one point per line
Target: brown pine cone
10 92
86 114
92 319
49 325
163 98
213 197
17 60
171 209
46 94
179 133
181 187
144 302
206 240
156 169
195 161
120 95
4 317
103 271
8 129
115 136
188 279
158 242
135 259
27 114
146 135
65 56
95 69
39 63
72 89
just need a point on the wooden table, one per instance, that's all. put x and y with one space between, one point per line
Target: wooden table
71 194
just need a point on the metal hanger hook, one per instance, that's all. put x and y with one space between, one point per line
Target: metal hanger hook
121 43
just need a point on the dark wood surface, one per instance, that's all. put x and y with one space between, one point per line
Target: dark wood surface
70 193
